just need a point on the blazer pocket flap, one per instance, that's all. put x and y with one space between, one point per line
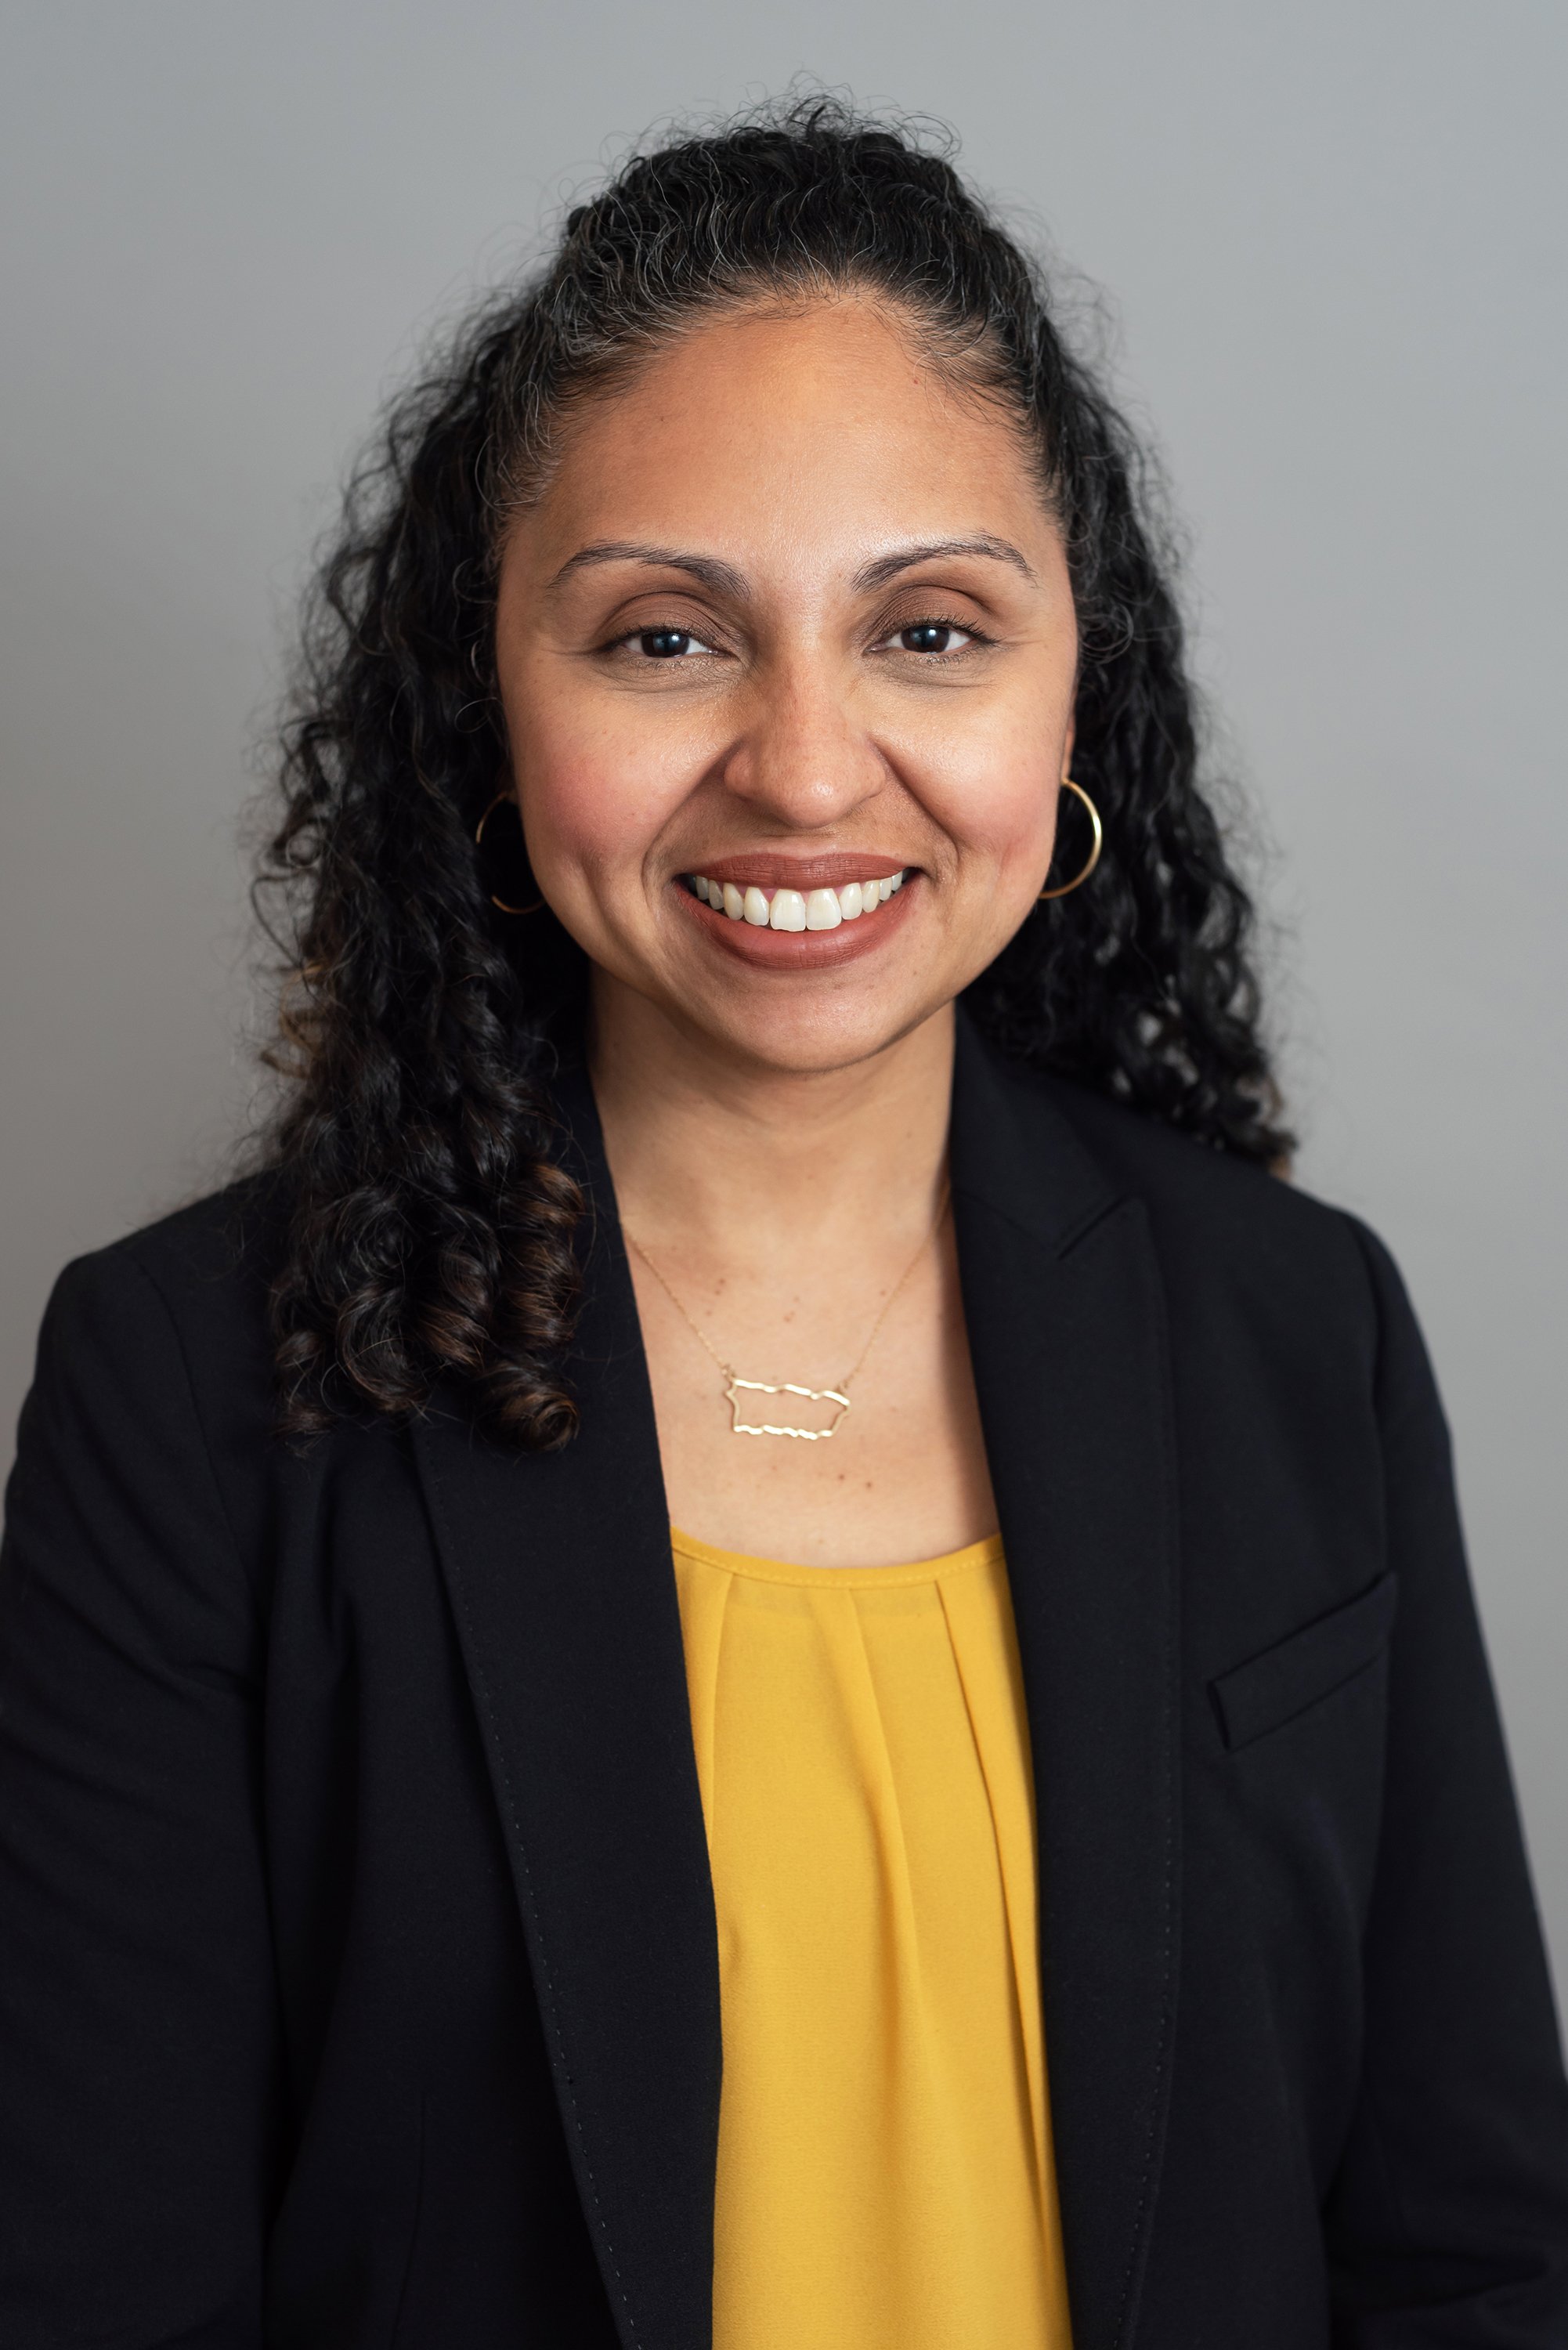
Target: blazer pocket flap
1270 1690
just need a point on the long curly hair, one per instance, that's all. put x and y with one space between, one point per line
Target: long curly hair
433 1229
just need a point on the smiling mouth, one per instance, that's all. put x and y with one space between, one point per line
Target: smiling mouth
783 908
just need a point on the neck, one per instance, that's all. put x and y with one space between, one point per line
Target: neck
736 1163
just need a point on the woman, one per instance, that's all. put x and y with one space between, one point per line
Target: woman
768 1647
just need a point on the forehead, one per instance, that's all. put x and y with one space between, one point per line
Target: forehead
814 425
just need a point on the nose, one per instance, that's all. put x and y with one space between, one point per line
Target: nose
800 760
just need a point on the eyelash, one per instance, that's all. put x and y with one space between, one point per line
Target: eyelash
650 628
941 620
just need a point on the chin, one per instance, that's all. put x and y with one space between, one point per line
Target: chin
815 1038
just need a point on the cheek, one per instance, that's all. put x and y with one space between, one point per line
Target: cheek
990 787
595 790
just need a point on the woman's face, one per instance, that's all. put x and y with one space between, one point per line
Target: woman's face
792 619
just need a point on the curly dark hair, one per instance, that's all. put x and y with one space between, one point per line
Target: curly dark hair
434 1228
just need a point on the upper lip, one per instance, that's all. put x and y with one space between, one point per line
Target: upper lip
771 870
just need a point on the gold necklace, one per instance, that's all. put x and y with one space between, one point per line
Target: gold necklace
735 1387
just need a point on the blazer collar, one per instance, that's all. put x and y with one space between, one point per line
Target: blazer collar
559 1572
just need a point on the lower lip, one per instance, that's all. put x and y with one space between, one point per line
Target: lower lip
770 950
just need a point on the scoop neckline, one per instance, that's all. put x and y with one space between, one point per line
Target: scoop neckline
974 1555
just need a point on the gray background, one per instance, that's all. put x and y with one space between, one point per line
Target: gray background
1332 235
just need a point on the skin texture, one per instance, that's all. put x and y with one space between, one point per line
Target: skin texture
775 1107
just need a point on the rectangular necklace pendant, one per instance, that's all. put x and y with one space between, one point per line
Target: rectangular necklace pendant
739 1426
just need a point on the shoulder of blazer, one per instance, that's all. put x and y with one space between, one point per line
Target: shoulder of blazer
210 1263
1228 1234
173 1319
230 1241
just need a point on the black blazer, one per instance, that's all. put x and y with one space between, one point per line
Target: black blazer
359 1982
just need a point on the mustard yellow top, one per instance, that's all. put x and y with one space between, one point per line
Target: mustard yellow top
884 2170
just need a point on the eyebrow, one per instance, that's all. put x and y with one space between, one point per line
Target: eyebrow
725 580
708 569
876 574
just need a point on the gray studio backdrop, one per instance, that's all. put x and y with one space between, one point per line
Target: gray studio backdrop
1333 238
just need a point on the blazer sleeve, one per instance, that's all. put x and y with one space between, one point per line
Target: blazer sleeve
138 2013
1448 2224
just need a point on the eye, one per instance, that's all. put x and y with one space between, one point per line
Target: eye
664 644
933 638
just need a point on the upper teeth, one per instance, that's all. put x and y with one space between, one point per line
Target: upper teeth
793 909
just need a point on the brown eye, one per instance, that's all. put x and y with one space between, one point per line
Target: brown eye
934 639
669 645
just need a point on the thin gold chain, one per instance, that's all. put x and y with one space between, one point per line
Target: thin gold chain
729 1369
898 1286
703 1341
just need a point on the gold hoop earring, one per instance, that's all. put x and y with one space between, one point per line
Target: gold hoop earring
1094 857
500 903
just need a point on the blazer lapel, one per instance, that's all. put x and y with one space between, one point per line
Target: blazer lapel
1062 1301
559 1572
